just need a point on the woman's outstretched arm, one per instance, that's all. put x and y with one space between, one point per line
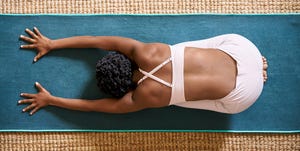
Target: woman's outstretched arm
43 44
110 105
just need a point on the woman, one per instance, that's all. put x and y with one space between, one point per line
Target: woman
223 74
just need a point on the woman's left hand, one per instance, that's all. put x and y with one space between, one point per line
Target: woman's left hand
36 101
37 41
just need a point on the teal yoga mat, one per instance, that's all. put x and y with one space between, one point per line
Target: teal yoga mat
70 72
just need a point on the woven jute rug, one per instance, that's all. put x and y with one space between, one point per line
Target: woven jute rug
150 6
147 140
153 141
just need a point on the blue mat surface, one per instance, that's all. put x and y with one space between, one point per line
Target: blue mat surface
70 72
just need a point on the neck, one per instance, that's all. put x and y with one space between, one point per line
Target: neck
137 75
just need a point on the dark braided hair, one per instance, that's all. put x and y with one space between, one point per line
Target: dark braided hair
114 74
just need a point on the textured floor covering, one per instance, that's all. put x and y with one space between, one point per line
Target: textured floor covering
150 6
149 141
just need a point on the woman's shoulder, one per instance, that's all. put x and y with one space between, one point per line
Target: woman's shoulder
151 54
150 95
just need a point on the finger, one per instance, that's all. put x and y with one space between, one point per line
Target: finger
34 110
31 46
25 101
37 57
39 87
27 39
29 107
37 31
27 95
32 34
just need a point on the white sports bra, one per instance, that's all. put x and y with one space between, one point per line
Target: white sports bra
177 85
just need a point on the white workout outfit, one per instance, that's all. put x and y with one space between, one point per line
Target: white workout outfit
249 80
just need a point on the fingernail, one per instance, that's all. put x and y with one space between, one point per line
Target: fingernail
36 83
34 28
27 29
30 114
22 94
19 102
23 110
21 36
22 46
34 60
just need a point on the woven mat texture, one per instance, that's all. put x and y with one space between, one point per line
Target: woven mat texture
148 140
149 6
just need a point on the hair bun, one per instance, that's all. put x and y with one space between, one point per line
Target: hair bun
114 74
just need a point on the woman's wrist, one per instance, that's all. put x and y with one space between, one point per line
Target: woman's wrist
52 100
51 45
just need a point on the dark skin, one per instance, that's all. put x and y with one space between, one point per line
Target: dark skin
209 74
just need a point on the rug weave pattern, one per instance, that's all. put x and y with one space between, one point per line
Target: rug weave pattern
148 140
149 6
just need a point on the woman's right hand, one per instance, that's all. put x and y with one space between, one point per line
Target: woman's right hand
36 41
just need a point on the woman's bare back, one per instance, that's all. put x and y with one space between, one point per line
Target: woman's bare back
208 74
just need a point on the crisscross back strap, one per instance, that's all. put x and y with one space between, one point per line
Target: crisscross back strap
150 74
